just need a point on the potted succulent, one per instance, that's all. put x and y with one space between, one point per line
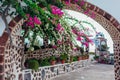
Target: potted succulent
52 60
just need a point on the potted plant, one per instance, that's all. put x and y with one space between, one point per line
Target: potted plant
52 60
79 57
96 58
75 58
44 62
63 57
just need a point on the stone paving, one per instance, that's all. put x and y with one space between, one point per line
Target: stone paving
94 72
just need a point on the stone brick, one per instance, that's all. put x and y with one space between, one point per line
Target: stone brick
9 29
1 58
107 16
96 9
3 39
12 24
1 68
101 12
1 50
1 77
116 24
18 18
91 7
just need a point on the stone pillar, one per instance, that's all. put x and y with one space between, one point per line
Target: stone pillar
117 59
3 40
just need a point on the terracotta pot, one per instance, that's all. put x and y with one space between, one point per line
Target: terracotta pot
53 62
62 61
83 58
79 58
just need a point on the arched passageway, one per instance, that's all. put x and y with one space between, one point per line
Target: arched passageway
106 20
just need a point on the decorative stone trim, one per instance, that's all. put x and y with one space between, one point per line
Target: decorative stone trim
50 72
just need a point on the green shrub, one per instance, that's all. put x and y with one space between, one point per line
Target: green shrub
44 62
52 58
75 58
33 64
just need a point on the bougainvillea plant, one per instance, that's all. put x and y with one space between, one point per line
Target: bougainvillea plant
44 18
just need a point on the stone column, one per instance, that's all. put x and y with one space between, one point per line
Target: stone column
117 59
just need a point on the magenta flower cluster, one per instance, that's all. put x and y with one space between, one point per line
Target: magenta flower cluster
56 11
32 21
80 36
59 28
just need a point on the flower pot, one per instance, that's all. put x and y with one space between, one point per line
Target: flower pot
79 58
62 61
53 62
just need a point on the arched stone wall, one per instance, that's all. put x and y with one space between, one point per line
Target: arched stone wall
103 18
111 25
11 55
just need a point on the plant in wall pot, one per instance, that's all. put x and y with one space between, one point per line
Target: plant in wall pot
44 62
79 57
75 58
52 60
63 57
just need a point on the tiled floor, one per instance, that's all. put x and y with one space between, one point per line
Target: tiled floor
94 72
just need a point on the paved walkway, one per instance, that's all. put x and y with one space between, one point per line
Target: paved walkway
94 72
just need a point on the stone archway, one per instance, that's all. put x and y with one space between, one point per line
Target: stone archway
111 25
106 20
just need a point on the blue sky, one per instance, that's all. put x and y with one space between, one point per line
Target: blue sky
110 6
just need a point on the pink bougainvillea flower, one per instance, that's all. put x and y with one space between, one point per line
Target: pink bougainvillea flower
75 1
90 41
31 24
36 20
87 11
62 29
30 19
93 15
54 46
58 27
56 11
82 3
79 38
59 42
86 44
67 2
74 31
75 49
